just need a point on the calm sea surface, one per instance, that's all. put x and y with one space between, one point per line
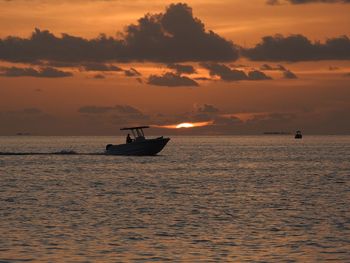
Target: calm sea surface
204 199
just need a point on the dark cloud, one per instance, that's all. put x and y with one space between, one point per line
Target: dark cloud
170 79
132 72
176 36
268 67
224 72
95 109
227 74
116 115
182 69
289 75
203 78
100 67
297 2
56 64
126 111
99 76
173 36
46 72
258 75
122 109
238 66
299 48
42 45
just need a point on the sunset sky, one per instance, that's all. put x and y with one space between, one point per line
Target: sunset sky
90 67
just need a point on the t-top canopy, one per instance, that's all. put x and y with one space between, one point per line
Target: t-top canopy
134 128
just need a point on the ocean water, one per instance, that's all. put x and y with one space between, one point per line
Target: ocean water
203 199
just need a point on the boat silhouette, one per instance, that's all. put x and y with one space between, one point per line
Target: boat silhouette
298 135
139 145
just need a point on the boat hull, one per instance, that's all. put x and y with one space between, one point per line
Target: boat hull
139 148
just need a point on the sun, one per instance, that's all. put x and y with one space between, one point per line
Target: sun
184 125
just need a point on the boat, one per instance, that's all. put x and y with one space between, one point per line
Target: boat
298 135
138 145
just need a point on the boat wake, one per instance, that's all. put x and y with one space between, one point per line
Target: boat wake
63 152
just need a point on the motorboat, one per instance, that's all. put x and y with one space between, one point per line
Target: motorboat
138 145
298 135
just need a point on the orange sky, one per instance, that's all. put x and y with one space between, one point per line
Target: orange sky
317 101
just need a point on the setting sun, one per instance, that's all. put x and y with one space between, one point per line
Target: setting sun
185 125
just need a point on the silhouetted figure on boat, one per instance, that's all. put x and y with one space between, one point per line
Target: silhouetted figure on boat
298 135
128 139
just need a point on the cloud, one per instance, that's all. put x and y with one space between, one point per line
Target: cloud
289 75
122 109
224 72
258 75
297 2
132 72
126 109
298 48
182 69
46 72
101 67
203 78
115 115
99 76
94 109
268 67
227 74
170 79
173 36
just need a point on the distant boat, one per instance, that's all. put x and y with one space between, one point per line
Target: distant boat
23 134
139 145
298 135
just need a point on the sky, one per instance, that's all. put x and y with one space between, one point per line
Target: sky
91 67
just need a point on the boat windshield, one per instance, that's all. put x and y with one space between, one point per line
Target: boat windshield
137 132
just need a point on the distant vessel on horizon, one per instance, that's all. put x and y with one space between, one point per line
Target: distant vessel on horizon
139 145
298 135
23 133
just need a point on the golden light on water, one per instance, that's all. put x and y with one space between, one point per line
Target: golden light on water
186 125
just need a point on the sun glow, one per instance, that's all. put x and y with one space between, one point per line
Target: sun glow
186 125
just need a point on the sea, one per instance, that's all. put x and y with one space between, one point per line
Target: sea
202 199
